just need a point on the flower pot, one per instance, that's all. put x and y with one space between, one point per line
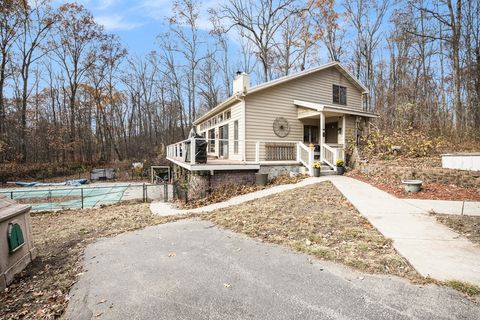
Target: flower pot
412 185
340 170
316 172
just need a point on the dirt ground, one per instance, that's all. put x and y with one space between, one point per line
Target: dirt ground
40 292
468 226
430 191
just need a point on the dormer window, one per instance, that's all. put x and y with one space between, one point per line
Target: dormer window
339 95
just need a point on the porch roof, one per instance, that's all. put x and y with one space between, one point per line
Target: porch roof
316 108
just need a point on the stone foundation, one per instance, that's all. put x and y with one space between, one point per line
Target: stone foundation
199 184
279 170
462 178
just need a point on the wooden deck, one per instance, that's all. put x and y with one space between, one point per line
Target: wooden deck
227 164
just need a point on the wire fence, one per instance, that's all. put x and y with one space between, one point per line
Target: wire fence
45 199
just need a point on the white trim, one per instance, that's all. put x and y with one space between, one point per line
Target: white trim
244 125
327 108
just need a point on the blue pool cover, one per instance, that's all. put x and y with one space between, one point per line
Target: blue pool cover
92 197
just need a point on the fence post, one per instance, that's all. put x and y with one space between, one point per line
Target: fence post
144 197
165 191
11 195
81 192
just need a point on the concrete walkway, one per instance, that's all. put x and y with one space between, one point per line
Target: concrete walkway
469 208
193 270
433 249
167 209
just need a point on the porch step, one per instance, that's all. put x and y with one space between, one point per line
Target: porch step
326 167
329 172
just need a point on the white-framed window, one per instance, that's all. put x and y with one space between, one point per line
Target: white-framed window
211 140
339 95
235 137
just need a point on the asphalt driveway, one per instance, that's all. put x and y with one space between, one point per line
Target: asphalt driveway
193 270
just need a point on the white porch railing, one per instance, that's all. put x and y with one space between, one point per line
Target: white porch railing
184 150
266 152
305 155
330 155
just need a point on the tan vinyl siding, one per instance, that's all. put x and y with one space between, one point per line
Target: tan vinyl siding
264 106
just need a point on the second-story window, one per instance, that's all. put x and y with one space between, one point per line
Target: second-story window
339 95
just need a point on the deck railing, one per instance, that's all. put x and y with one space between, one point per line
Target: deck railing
265 151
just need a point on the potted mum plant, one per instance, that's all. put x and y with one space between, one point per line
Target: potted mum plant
317 166
340 168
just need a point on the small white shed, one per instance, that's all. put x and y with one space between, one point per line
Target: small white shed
461 161
16 242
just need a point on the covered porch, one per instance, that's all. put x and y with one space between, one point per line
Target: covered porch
328 129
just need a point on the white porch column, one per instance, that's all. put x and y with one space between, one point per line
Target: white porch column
344 129
322 134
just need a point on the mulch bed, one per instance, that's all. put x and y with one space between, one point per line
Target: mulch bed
430 190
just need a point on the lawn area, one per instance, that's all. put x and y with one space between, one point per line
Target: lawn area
40 292
468 226
317 220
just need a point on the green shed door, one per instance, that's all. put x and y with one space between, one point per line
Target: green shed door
15 237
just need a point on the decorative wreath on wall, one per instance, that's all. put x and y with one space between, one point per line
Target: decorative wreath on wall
281 127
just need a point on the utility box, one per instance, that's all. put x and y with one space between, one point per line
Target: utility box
16 241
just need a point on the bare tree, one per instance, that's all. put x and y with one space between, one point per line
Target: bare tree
260 22
366 17
74 47
35 24
185 17
9 22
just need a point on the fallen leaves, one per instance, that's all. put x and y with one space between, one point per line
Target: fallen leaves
228 191
317 220
41 290
468 226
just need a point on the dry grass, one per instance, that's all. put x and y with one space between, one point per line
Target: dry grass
40 292
468 226
317 220
467 288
